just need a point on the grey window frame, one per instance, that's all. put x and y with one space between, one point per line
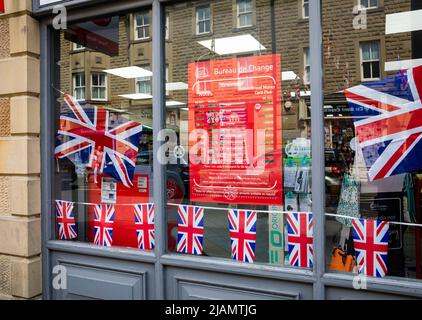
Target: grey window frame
318 278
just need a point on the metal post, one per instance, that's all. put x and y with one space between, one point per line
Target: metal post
318 154
158 113
47 143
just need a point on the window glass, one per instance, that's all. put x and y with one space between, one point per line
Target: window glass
372 143
142 25
238 136
103 144
203 16
305 8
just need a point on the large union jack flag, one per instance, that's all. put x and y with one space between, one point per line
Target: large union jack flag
103 225
300 240
389 123
370 239
190 230
66 220
103 146
242 226
144 221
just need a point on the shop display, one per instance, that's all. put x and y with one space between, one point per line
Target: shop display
242 226
103 146
276 235
389 134
300 239
370 238
342 261
190 230
144 221
103 225
290 202
66 224
349 200
235 124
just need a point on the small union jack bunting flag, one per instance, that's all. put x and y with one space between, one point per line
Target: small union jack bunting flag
242 225
190 230
300 239
103 225
370 239
66 220
144 221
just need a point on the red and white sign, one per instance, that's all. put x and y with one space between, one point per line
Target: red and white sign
235 130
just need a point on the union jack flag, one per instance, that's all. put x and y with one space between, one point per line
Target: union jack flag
300 240
88 131
103 225
389 127
190 230
242 225
370 239
66 220
144 221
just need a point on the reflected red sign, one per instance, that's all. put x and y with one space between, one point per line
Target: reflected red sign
235 130
1 6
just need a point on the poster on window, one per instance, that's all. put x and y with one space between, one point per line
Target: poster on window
235 134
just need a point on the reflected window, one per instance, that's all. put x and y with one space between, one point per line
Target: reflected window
368 4
77 46
99 86
203 19
142 26
305 9
306 66
370 55
244 13
79 85
143 84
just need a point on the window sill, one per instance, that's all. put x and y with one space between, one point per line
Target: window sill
142 40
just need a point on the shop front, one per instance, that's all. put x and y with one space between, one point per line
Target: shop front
230 149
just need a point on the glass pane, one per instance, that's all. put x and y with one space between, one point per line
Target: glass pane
373 152
103 151
238 150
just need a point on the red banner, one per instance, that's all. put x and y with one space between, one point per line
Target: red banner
235 134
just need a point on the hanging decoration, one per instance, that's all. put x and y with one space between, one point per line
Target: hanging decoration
144 220
66 224
190 230
242 226
300 239
103 225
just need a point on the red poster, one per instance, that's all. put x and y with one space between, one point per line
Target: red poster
235 134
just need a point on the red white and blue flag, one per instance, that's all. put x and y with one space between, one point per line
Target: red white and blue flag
66 220
242 226
190 230
389 123
300 239
103 225
105 145
144 221
370 239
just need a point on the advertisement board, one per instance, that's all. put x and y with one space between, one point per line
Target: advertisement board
235 130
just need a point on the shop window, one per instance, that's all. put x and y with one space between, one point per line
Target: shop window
370 60
369 4
372 159
79 85
239 186
142 26
306 66
244 13
203 19
99 86
305 9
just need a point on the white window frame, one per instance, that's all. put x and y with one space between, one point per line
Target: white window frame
105 86
305 3
144 80
75 86
143 26
367 4
370 60
77 47
239 14
306 66
198 20
167 26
